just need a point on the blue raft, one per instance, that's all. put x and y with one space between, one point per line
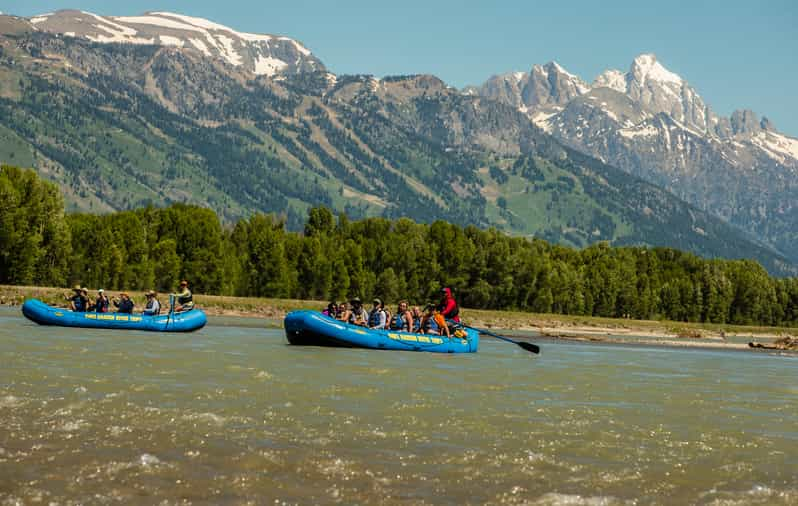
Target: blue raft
39 312
312 328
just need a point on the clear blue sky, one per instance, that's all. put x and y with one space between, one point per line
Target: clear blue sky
737 54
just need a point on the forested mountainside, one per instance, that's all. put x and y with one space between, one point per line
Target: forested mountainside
651 123
119 126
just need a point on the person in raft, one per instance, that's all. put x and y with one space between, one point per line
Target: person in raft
403 320
387 312
417 316
124 304
101 303
433 322
332 310
343 309
357 315
153 307
184 301
377 315
77 302
448 306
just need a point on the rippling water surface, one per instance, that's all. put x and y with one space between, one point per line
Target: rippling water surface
233 415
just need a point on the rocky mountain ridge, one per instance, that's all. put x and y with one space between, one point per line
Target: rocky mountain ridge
650 122
260 54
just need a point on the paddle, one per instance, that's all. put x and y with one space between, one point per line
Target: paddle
534 348
171 310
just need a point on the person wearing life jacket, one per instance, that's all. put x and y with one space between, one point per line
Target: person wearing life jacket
428 323
417 316
403 320
101 303
433 322
357 315
448 306
77 302
153 307
377 315
184 301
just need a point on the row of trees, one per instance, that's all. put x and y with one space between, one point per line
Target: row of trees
335 258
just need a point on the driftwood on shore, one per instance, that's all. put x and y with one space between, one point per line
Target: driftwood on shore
784 343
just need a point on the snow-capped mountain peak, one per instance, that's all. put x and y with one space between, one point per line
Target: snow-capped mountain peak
258 53
612 78
646 67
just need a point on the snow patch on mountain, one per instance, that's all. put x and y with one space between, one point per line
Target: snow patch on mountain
268 65
644 131
166 40
650 68
200 45
781 148
614 79
259 53
40 18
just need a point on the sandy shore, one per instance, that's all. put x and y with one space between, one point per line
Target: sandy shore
515 324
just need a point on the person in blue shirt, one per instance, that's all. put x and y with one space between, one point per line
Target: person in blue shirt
77 302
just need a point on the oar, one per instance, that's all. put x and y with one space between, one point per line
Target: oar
171 310
534 348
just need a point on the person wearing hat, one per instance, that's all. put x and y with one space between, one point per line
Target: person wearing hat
357 314
377 315
184 301
101 303
77 302
89 304
153 307
124 304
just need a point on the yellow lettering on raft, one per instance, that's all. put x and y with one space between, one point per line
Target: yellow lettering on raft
90 316
410 338
395 337
437 340
122 318
135 318
423 339
105 317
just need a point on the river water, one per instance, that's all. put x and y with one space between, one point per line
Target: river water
233 415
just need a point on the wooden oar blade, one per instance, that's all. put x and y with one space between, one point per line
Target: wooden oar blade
534 348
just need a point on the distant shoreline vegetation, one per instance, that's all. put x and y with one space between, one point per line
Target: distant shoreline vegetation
334 259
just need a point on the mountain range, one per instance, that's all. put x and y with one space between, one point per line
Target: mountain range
162 107
651 123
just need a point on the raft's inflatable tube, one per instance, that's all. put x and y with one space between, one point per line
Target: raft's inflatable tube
315 329
39 312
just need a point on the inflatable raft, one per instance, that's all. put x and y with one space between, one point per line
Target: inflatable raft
41 313
315 329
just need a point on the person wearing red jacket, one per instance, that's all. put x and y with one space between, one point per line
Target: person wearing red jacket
448 306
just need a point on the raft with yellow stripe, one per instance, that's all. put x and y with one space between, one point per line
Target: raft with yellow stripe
312 328
39 312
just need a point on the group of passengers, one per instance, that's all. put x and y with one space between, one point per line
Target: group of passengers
440 319
81 302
